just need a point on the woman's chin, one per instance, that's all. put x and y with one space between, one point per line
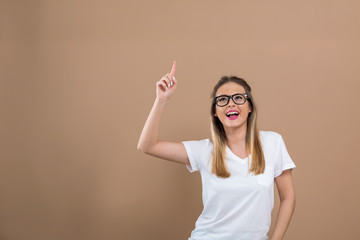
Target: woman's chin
234 124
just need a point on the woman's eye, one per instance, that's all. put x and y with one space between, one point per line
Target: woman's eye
223 99
239 97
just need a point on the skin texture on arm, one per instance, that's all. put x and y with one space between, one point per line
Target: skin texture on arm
285 186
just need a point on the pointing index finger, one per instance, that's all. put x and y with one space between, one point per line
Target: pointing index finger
173 69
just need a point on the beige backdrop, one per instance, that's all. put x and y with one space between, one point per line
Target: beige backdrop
78 82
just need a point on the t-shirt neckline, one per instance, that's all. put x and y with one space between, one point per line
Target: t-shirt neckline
242 160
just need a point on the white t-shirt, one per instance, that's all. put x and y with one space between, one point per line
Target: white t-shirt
238 207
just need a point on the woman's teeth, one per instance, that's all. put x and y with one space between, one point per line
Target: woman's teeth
232 116
232 113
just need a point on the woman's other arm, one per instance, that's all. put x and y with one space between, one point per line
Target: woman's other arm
285 186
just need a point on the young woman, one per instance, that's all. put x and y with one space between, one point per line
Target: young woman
238 165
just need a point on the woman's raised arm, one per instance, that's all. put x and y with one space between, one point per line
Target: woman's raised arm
149 142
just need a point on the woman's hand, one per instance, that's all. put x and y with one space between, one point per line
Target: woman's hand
166 86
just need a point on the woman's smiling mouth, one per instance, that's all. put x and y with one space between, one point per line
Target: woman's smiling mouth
232 114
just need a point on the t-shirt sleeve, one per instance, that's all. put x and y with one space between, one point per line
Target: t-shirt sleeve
283 160
196 152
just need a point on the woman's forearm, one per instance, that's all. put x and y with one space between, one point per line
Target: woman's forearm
150 132
285 213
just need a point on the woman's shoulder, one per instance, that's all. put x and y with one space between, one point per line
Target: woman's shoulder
206 142
202 143
269 135
199 148
269 142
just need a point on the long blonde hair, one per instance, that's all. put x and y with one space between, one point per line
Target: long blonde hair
218 135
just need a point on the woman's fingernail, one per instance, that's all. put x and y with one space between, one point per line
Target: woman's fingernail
173 77
169 85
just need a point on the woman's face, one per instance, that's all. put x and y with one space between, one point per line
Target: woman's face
232 121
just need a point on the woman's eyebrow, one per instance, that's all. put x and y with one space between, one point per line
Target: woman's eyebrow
222 95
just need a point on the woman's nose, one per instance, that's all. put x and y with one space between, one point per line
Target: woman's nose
231 102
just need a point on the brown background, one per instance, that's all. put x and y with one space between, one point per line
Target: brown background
78 82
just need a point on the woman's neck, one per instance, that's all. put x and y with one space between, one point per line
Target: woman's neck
236 137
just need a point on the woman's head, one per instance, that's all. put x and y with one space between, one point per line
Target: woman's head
233 93
243 104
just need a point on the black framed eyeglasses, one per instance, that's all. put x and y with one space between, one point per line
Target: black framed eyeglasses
223 100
